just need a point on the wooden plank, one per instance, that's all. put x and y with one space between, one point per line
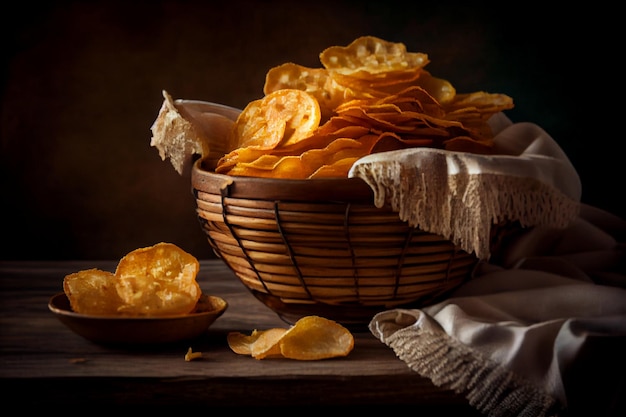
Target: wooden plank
40 355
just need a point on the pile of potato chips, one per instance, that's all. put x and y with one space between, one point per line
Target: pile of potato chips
370 96
310 338
159 280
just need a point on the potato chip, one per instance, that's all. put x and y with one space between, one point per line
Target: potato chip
315 337
314 81
239 155
271 166
369 96
487 104
267 344
441 90
192 356
92 291
337 169
159 280
310 338
251 130
368 86
242 343
282 117
309 161
260 344
369 54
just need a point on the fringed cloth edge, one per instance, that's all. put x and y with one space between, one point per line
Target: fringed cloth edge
462 208
490 388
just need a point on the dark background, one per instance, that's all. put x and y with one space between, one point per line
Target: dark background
82 81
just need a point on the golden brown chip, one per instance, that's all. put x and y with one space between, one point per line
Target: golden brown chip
314 81
314 338
241 343
192 356
271 166
93 292
267 344
309 162
294 76
158 280
442 90
337 169
369 54
239 155
369 86
369 96
260 344
310 338
282 117
487 104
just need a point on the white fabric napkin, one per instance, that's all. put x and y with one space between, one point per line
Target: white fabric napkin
540 328
542 334
459 195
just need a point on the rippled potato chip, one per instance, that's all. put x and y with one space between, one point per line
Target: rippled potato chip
283 117
371 88
310 338
371 55
315 81
267 345
93 292
260 344
242 343
158 280
315 337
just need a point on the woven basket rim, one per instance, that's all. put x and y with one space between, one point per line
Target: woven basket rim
352 190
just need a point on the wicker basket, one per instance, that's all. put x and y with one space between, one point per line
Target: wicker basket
321 247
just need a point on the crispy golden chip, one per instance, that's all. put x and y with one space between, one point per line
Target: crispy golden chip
92 291
158 280
314 338
369 96
309 162
281 117
371 55
367 86
192 356
294 76
487 104
336 169
310 338
241 343
314 81
239 155
267 344
441 90
271 166
260 344
251 130
154 281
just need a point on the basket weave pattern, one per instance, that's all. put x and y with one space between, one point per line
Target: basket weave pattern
343 258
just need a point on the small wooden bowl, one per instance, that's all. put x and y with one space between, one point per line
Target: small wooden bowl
139 330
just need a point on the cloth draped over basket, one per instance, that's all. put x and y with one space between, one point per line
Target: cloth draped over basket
459 195
542 332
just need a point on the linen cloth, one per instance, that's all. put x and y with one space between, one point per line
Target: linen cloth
540 327
460 195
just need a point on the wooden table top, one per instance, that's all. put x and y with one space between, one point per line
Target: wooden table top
42 357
